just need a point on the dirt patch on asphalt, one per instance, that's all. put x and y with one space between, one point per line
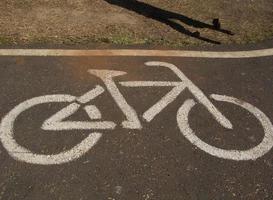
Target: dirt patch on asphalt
87 22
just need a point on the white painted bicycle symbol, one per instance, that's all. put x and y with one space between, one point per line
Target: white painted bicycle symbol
57 121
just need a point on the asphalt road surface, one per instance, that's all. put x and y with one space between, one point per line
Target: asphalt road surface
136 127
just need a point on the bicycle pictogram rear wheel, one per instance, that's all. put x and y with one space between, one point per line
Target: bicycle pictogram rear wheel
21 153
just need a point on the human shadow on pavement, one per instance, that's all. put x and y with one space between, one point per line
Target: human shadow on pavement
167 18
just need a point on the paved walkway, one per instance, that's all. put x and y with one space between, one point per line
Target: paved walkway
136 124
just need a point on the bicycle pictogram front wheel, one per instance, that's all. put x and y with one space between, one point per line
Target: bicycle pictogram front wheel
250 154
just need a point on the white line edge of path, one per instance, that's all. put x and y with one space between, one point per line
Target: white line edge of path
137 52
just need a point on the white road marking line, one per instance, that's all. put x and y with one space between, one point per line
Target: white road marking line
149 84
92 94
199 95
163 102
93 112
57 121
107 76
78 125
138 52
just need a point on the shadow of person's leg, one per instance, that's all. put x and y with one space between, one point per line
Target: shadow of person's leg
194 23
182 30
